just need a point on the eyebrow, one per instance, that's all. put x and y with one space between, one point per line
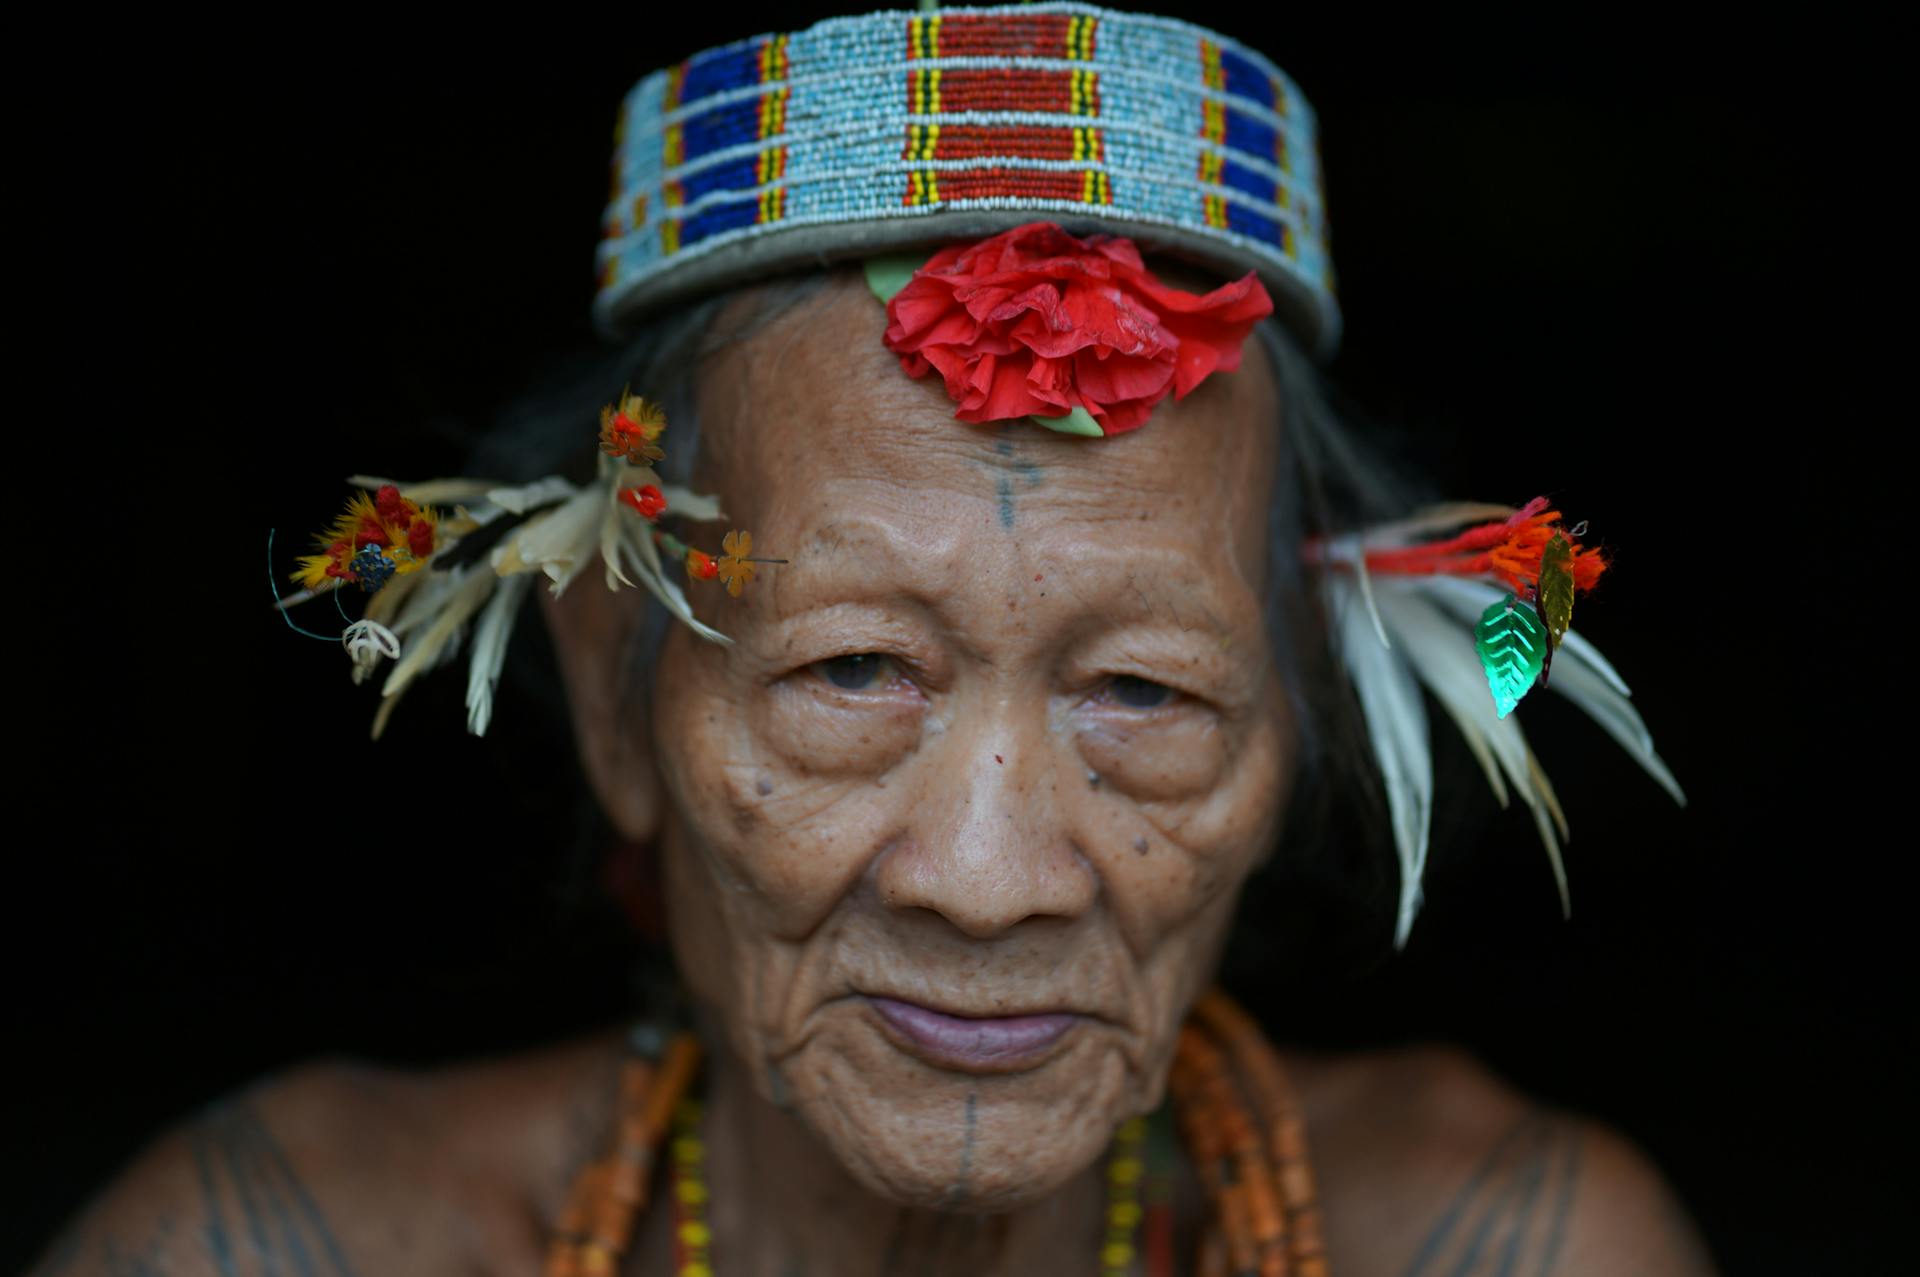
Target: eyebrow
833 573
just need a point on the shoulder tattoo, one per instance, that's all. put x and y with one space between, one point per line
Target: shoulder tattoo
1510 1218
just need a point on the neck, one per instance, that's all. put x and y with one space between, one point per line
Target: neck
783 1206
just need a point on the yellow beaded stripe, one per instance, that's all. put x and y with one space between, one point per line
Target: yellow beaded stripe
1086 92
1211 72
773 59
1080 37
923 187
1124 1172
692 1237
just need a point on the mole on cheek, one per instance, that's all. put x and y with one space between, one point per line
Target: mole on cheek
763 787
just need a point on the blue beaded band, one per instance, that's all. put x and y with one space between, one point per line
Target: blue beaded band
891 130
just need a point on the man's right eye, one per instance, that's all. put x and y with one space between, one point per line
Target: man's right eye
857 673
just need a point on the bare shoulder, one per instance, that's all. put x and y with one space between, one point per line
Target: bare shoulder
339 1169
1431 1165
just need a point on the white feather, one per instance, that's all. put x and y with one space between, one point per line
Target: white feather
1397 725
1616 715
612 522
529 496
442 635
490 650
1442 654
431 492
688 504
558 542
644 557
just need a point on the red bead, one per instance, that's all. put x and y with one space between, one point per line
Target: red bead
420 539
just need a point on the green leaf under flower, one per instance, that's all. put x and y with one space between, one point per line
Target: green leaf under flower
1077 422
889 274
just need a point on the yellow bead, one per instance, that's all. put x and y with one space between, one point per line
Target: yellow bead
695 1234
695 1268
1124 1214
1125 1170
1116 1255
692 1192
688 1150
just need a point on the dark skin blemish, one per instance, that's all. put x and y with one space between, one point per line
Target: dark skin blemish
1140 845
763 787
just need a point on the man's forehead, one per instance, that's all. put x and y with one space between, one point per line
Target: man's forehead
812 396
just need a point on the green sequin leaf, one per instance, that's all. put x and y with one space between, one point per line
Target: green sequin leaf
1556 588
1512 644
889 274
1077 422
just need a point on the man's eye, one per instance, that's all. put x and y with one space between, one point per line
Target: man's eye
856 673
1139 693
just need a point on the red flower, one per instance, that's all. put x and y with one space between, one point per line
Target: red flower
1037 322
647 500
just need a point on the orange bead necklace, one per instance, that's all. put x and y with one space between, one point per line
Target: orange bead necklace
1236 1111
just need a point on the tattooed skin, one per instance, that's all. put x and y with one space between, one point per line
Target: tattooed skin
248 1213
1510 1217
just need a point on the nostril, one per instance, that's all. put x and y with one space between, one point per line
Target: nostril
985 886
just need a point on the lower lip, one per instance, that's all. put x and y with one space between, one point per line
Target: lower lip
1001 1044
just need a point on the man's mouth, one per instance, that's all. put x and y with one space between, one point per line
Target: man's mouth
973 1044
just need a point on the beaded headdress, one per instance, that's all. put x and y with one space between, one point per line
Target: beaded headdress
1046 147
861 136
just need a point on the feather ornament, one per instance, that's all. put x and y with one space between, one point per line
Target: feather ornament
484 555
1443 658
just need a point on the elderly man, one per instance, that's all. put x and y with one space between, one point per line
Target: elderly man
957 764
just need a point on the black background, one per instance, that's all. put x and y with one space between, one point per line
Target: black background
1582 257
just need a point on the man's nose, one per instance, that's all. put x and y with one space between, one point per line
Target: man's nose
989 847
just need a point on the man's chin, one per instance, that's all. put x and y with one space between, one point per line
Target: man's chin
937 1138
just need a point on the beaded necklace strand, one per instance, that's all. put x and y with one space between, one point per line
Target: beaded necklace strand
1263 1216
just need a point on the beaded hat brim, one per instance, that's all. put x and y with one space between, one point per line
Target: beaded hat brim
803 247
897 131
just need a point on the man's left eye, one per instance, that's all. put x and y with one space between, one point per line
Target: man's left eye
1138 693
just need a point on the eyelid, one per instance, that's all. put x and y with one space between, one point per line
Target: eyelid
892 677
1176 696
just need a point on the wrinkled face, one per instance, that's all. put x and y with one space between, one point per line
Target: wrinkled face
952 834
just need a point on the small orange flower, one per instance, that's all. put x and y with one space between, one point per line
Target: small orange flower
735 569
631 429
701 567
